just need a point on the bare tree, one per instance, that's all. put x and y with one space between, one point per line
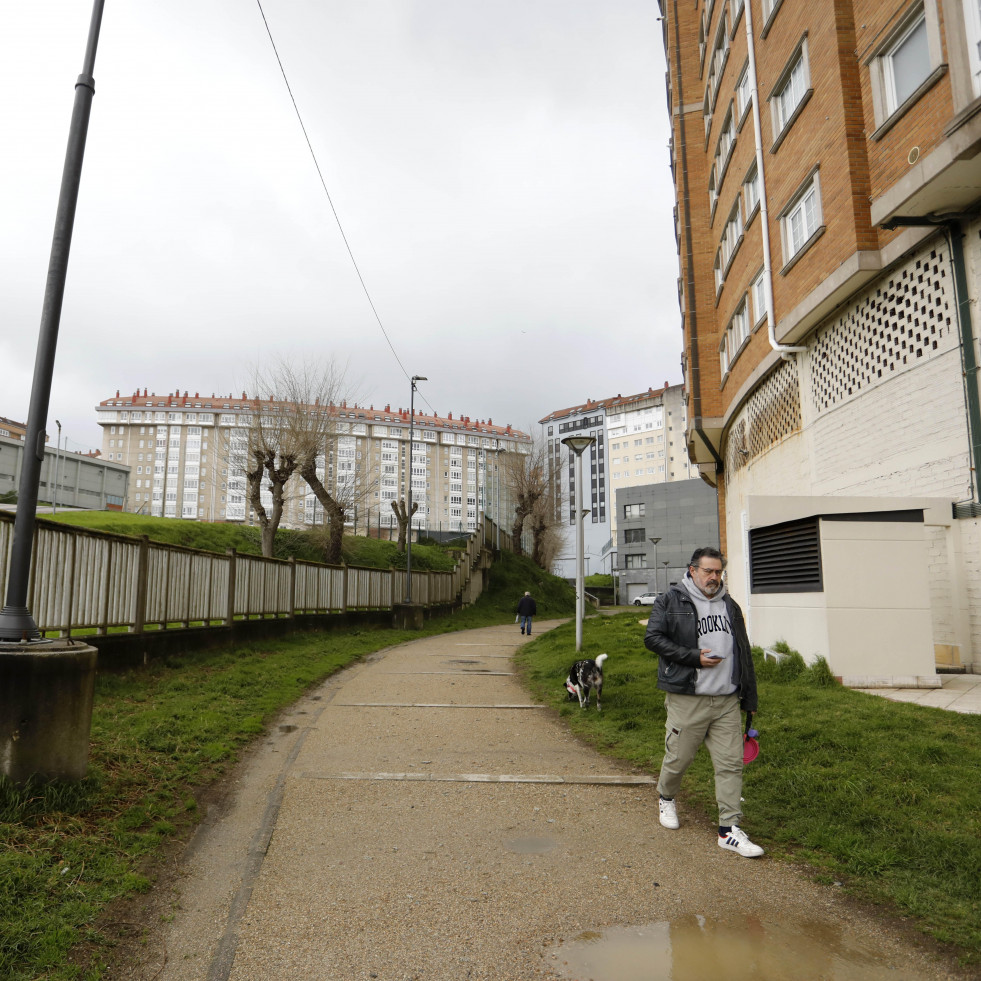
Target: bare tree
527 477
293 429
403 516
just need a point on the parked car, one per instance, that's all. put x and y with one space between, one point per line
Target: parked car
645 599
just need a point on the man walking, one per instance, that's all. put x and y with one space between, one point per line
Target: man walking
706 667
526 610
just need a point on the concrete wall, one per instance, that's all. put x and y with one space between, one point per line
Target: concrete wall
82 481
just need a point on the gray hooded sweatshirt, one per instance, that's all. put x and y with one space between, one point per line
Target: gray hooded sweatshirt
714 634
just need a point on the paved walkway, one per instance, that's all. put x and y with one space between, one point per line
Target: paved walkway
960 693
418 817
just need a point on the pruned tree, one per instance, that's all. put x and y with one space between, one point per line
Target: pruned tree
534 509
292 431
403 516
546 540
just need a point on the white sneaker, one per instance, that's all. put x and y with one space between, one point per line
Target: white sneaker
738 841
668 813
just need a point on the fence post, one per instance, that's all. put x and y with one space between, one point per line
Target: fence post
344 588
230 609
104 625
142 584
292 611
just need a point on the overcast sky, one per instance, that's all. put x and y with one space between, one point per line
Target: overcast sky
500 171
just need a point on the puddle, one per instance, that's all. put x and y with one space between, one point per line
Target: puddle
744 949
463 660
530 846
288 728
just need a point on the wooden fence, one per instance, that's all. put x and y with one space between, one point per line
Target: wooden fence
89 582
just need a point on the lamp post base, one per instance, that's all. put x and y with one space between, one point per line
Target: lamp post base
46 693
17 625
407 616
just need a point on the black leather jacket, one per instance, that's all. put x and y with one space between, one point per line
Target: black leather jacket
672 634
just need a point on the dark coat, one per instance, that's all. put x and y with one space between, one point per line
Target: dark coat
527 607
672 634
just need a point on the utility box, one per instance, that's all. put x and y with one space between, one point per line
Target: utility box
849 585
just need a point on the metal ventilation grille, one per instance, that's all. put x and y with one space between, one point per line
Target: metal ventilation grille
786 558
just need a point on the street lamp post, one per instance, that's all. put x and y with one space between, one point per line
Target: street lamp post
408 541
47 686
497 487
665 563
654 542
16 621
577 444
54 493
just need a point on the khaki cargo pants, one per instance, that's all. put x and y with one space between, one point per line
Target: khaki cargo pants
715 721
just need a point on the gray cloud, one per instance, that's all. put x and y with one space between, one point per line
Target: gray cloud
500 171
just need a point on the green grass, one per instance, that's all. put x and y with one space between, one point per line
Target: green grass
160 736
219 537
882 796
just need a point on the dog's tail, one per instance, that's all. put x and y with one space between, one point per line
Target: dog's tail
601 659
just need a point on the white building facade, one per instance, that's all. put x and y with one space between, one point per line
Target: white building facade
187 457
639 440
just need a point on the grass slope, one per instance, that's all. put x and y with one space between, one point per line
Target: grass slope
883 796
160 736
219 537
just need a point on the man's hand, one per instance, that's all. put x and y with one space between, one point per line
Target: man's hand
708 659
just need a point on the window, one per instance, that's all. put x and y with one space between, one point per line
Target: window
751 190
801 219
972 23
790 94
744 95
733 338
727 140
633 511
739 326
635 562
731 237
905 65
758 292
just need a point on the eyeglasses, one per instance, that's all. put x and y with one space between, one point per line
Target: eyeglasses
709 572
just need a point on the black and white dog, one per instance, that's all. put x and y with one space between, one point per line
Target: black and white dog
584 675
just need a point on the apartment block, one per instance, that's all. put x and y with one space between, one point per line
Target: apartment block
187 458
827 177
639 440
12 429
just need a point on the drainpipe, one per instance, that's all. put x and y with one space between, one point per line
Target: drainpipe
771 321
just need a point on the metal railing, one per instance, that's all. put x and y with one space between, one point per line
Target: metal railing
90 582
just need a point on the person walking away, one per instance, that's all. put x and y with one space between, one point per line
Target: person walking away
705 666
526 610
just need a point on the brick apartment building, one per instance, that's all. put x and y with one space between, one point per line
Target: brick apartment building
12 429
827 179
182 451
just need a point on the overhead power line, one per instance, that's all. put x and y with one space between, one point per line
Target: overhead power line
330 201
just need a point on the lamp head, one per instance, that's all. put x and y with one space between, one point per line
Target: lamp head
579 443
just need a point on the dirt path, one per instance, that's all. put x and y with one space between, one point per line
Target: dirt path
418 816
